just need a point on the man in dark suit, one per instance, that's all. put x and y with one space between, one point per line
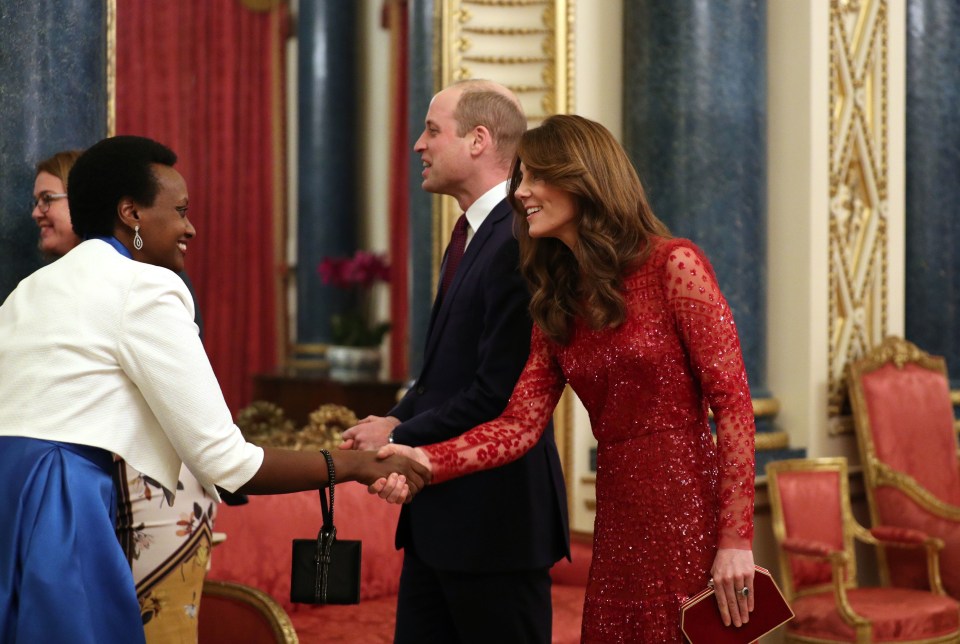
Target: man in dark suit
477 550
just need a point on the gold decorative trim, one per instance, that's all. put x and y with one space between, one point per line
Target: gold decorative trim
858 117
766 441
523 89
885 475
318 348
261 5
507 60
839 425
111 70
307 364
506 3
263 603
506 31
955 397
765 407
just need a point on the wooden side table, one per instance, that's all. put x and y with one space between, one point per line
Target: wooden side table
299 392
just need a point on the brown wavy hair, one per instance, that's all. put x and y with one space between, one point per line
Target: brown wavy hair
614 225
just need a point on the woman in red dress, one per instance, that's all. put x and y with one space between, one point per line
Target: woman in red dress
634 321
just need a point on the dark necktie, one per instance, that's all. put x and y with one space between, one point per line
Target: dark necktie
458 241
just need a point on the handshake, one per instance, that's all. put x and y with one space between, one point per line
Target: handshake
397 472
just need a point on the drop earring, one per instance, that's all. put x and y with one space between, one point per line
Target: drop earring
137 239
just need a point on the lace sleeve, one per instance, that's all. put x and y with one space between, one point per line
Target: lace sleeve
710 338
515 431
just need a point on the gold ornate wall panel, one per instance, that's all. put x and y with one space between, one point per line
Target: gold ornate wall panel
111 67
858 188
526 45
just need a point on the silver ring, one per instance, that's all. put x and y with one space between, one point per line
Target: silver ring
744 591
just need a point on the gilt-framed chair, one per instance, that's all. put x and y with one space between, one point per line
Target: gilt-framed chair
815 531
906 434
231 612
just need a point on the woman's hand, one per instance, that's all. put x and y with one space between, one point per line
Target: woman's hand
732 572
401 477
387 489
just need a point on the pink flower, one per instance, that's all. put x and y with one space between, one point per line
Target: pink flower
363 270
357 274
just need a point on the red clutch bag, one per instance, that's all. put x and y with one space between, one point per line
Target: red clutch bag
700 617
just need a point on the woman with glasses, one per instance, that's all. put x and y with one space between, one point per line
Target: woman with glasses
100 356
50 209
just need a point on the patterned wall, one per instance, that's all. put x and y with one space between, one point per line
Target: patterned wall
858 188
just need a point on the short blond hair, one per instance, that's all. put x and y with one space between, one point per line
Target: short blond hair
59 165
493 106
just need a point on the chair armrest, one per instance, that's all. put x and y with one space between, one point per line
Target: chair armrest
838 569
897 537
807 548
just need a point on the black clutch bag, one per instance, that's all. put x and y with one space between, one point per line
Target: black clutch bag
326 570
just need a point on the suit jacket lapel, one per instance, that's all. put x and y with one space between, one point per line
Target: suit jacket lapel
441 307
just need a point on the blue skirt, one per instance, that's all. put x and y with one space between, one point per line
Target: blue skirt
63 575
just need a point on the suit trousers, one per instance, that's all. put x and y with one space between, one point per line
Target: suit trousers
445 607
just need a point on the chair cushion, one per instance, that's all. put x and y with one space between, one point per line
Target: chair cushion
897 615
372 621
369 622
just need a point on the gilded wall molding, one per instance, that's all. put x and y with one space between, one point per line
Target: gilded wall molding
859 174
111 67
526 45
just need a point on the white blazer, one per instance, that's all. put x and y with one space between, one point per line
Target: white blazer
101 350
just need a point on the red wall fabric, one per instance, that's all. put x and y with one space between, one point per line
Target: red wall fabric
399 195
198 77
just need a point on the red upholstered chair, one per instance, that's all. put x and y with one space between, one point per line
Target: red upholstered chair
237 613
908 446
815 532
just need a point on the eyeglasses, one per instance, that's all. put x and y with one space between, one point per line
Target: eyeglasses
43 201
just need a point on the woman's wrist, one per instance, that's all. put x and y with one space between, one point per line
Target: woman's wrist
344 463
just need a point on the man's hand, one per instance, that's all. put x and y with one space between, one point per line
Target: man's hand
370 433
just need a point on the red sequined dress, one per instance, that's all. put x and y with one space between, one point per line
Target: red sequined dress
667 496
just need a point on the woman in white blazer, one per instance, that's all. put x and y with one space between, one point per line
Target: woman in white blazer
99 355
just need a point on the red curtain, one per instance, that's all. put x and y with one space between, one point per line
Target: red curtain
395 12
202 78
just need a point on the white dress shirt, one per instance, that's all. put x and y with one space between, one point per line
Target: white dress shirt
481 208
